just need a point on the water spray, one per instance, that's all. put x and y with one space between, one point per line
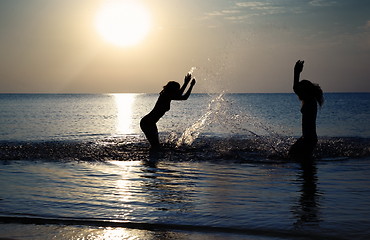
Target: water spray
192 69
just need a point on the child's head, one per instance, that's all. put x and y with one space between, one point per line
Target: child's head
309 90
171 88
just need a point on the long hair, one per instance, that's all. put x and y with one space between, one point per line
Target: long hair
171 88
311 90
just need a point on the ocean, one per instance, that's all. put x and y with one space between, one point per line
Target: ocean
77 166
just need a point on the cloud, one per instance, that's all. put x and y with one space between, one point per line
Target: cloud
263 8
215 13
242 10
367 25
250 4
322 3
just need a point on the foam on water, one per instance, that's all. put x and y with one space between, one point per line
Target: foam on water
204 148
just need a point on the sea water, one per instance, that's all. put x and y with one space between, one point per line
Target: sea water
77 166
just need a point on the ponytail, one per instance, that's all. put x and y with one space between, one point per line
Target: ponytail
318 93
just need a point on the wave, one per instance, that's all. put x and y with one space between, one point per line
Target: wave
205 148
276 233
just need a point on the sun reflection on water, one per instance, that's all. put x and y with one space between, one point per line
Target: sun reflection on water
119 233
116 234
124 105
125 186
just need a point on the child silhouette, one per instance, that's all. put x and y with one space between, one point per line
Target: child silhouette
310 95
171 91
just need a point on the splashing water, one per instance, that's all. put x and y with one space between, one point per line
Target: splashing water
192 69
219 115
192 132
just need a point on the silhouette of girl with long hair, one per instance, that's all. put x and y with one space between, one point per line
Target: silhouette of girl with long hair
310 95
171 91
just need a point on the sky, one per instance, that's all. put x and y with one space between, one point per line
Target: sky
53 46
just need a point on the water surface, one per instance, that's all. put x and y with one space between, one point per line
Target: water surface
79 166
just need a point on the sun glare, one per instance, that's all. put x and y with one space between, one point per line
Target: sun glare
124 105
123 22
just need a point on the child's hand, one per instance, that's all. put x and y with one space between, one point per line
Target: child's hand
298 68
193 82
187 78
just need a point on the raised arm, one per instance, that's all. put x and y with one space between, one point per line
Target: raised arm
298 68
187 94
186 82
181 95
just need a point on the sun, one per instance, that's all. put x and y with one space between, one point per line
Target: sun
123 22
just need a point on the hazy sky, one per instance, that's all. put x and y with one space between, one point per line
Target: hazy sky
237 46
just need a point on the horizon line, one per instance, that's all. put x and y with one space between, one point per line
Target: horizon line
92 93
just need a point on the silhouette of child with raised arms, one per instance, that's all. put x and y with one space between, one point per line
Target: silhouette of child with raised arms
310 95
171 91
